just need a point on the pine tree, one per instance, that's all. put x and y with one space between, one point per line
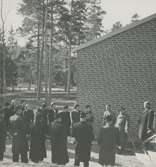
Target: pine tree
95 18
117 25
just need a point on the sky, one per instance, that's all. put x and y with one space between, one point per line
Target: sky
117 10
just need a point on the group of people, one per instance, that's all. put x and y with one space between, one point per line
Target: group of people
29 131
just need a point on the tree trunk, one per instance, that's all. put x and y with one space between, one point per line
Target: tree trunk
51 53
69 71
42 50
38 60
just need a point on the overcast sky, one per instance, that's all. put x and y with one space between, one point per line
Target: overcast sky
117 10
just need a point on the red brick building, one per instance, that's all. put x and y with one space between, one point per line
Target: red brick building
119 69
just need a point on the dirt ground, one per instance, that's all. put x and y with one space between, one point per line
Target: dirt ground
121 160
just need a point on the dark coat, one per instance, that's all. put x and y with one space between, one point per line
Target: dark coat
146 124
66 121
52 115
28 116
19 131
59 143
108 139
83 133
75 116
37 140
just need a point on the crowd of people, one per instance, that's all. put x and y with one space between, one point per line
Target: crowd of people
29 131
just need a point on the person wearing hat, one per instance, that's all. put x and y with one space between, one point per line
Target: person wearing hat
122 125
146 122
83 134
19 132
108 140
59 135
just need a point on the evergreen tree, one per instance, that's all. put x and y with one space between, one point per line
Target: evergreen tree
117 25
95 18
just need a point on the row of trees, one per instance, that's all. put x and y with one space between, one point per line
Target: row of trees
54 25
53 28
8 67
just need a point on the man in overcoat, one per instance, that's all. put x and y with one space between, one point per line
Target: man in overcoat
37 139
28 116
59 142
19 132
52 112
83 134
75 114
66 120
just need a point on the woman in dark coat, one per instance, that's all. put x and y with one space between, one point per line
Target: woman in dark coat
108 139
37 141
83 133
59 142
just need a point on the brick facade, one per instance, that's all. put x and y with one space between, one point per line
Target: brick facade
120 70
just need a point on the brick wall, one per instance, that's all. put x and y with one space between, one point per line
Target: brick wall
120 70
